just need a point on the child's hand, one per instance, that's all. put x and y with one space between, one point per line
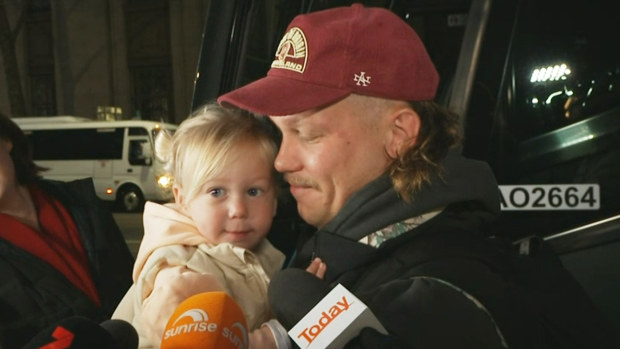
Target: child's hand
317 268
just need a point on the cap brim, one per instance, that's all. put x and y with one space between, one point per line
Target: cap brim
277 96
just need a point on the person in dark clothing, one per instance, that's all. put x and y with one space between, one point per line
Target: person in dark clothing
61 252
403 220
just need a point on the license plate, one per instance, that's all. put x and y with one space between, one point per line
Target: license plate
550 197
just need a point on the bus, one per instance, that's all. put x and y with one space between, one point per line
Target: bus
118 155
536 84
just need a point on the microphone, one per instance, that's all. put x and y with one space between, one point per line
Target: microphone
206 320
122 332
78 332
292 293
315 315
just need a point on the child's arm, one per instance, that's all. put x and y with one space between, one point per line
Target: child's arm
172 286
272 334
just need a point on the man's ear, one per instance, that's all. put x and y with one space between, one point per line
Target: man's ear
404 128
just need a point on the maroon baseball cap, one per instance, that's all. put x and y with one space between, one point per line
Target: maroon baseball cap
326 55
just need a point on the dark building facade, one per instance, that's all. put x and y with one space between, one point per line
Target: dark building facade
105 58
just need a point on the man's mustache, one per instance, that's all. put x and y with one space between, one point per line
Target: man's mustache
299 181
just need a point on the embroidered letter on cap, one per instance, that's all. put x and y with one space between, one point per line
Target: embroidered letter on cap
292 52
362 79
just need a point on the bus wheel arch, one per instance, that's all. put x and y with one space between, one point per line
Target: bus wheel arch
130 198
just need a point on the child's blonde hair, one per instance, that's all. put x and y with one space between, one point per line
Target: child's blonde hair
202 145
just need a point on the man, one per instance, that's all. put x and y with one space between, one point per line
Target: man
374 165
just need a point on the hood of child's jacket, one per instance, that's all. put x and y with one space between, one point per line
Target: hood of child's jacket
165 225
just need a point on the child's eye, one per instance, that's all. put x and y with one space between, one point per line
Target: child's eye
216 192
254 191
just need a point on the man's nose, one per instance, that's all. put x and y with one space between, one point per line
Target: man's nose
286 159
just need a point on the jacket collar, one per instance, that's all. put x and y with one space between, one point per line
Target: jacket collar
377 205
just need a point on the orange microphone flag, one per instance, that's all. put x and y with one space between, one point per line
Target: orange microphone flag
206 320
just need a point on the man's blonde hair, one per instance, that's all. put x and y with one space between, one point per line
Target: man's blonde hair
439 132
204 143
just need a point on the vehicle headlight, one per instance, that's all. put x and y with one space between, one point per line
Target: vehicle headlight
164 181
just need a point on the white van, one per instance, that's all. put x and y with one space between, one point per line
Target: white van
118 155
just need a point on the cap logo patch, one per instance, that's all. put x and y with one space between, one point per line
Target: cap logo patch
362 79
292 53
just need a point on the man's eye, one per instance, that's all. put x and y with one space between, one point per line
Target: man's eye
310 137
254 191
216 192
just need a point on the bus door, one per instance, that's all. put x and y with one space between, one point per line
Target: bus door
102 166
103 147
545 113
139 157
134 175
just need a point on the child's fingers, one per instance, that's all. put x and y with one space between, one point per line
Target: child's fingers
317 268
320 273
314 266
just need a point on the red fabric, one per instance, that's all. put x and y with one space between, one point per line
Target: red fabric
58 243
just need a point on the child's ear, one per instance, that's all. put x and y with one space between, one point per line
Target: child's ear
178 194
403 131
8 144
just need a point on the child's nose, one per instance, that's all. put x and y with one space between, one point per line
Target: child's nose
238 208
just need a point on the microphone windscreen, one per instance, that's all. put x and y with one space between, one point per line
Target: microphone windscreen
206 320
73 332
124 335
293 293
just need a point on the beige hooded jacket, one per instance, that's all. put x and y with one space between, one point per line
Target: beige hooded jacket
175 261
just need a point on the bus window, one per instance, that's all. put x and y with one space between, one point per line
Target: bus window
77 144
567 67
140 153
138 131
